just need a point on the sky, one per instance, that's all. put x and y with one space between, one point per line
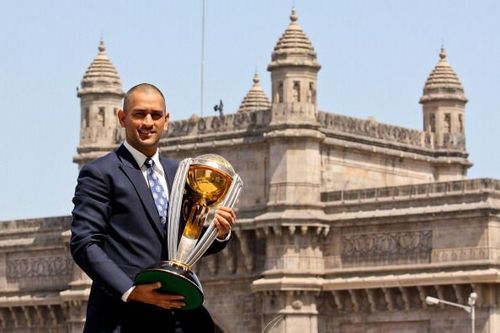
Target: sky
375 57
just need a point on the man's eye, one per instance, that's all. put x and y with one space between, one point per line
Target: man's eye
139 114
157 116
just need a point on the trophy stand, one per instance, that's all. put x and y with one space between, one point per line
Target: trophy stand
200 184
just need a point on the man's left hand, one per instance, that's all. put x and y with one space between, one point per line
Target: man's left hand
224 220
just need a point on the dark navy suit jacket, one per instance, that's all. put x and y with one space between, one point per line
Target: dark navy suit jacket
115 233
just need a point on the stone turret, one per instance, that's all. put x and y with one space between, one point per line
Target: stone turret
100 98
255 99
295 137
443 103
294 216
294 70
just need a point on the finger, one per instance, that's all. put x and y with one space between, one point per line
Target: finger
222 224
226 218
173 305
226 211
152 286
172 297
222 234
177 305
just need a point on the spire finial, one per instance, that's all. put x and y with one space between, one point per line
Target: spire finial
101 46
293 16
256 78
442 53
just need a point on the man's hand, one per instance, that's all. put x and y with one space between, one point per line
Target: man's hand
224 220
147 293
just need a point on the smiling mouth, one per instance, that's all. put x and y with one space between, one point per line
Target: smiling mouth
146 133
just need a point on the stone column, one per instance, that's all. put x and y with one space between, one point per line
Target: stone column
74 299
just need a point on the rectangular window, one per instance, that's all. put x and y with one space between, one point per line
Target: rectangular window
86 117
280 92
433 123
447 123
296 91
100 116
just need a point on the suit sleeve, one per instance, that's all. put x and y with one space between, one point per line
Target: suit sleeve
91 216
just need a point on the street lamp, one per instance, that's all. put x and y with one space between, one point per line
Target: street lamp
469 308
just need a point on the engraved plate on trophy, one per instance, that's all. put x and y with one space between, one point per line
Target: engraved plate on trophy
200 185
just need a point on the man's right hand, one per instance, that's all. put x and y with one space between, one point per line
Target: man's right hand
148 293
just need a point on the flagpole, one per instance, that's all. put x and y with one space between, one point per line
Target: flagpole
202 58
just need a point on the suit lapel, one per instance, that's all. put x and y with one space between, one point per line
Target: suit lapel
134 174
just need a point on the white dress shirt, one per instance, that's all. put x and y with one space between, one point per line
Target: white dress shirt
140 158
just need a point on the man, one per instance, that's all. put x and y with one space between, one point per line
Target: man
118 226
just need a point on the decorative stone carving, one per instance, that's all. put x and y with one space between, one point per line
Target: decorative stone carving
297 304
459 254
30 267
422 295
354 300
383 247
371 300
38 318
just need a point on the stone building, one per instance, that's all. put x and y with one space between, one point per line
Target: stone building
345 225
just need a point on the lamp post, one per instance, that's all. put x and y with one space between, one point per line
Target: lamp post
469 308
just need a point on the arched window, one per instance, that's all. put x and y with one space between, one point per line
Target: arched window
296 91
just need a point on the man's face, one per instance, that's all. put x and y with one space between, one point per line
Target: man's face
144 120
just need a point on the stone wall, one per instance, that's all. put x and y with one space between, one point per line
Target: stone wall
373 267
35 267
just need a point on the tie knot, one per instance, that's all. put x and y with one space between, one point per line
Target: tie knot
149 163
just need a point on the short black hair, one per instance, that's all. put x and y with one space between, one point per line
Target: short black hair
142 87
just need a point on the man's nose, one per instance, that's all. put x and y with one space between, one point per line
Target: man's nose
148 120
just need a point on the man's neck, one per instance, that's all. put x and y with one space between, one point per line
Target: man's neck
138 155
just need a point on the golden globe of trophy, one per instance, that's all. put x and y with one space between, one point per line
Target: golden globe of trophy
200 185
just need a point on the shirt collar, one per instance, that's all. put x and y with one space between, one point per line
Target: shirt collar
140 158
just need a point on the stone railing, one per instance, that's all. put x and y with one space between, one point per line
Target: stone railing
452 187
372 129
241 121
35 225
386 247
454 140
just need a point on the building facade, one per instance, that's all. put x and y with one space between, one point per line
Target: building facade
345 225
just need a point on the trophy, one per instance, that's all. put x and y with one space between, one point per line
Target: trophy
200 185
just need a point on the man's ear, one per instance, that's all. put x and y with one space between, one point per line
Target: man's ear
121 117
167 118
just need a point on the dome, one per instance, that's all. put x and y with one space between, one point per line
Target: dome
443 83
293 47
101 75
255 99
